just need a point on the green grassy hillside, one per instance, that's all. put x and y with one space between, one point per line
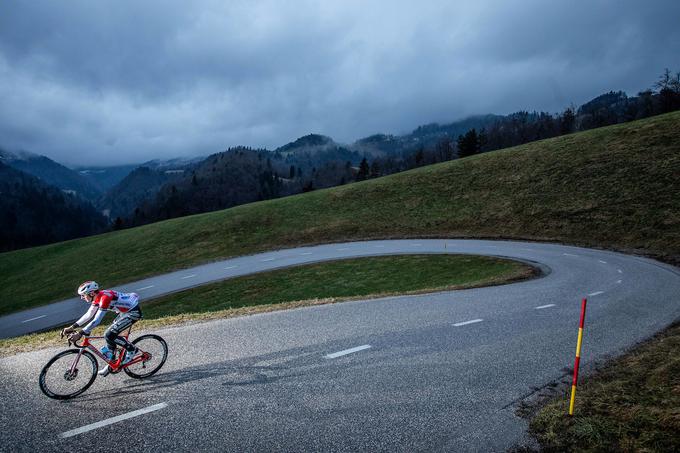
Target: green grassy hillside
613 187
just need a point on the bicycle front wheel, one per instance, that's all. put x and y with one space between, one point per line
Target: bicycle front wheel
62 378
154 352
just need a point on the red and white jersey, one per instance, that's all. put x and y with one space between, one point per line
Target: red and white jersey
107 300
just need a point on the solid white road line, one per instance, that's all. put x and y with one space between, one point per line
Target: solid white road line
230 267
188 276
110 421
467 322
146 287
544 306
33 319
596 293
348 351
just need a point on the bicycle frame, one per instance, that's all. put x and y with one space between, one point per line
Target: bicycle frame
115 364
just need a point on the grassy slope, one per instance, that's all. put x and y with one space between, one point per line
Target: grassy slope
614 187
633 404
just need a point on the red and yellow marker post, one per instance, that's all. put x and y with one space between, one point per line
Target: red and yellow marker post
578 357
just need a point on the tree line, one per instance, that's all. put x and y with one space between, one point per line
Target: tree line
524 127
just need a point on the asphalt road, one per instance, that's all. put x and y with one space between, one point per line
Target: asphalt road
436 372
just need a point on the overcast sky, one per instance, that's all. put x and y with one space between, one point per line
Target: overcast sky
110 82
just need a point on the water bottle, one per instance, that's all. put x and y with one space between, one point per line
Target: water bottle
108 353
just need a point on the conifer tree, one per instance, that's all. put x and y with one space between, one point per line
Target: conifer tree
468 144
375 169
363 170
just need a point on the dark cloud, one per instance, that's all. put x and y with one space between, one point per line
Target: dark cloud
112 82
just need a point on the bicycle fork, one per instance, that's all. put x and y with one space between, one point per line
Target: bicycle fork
75 362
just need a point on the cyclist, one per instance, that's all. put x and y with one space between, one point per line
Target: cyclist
101 301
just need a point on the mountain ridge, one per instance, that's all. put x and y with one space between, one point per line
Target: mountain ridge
52 173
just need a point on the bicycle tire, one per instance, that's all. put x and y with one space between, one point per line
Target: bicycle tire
50 390
163 347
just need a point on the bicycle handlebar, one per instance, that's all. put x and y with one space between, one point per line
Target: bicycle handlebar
74 343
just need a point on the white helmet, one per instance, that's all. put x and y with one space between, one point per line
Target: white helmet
88 287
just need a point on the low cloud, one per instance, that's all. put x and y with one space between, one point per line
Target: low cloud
117 82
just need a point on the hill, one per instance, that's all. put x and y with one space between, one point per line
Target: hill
233 177
52 173
225 179
317 161
130 186
105 178
313 152
612 187
27 205
427 135
141 183
312 143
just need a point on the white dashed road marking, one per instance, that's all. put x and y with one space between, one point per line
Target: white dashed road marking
569 254
267 259
146 287
230 267
348 351
458 324
342 250
188 276
110 421
306 253
544 306
33 319
603 262
618 282
596 293
620 271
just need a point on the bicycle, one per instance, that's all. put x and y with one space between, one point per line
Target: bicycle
65 376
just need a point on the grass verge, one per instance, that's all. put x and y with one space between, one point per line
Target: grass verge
353 278
614 187
631 404
310 285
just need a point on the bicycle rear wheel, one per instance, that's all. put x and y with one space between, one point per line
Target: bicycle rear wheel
60 380
154 352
